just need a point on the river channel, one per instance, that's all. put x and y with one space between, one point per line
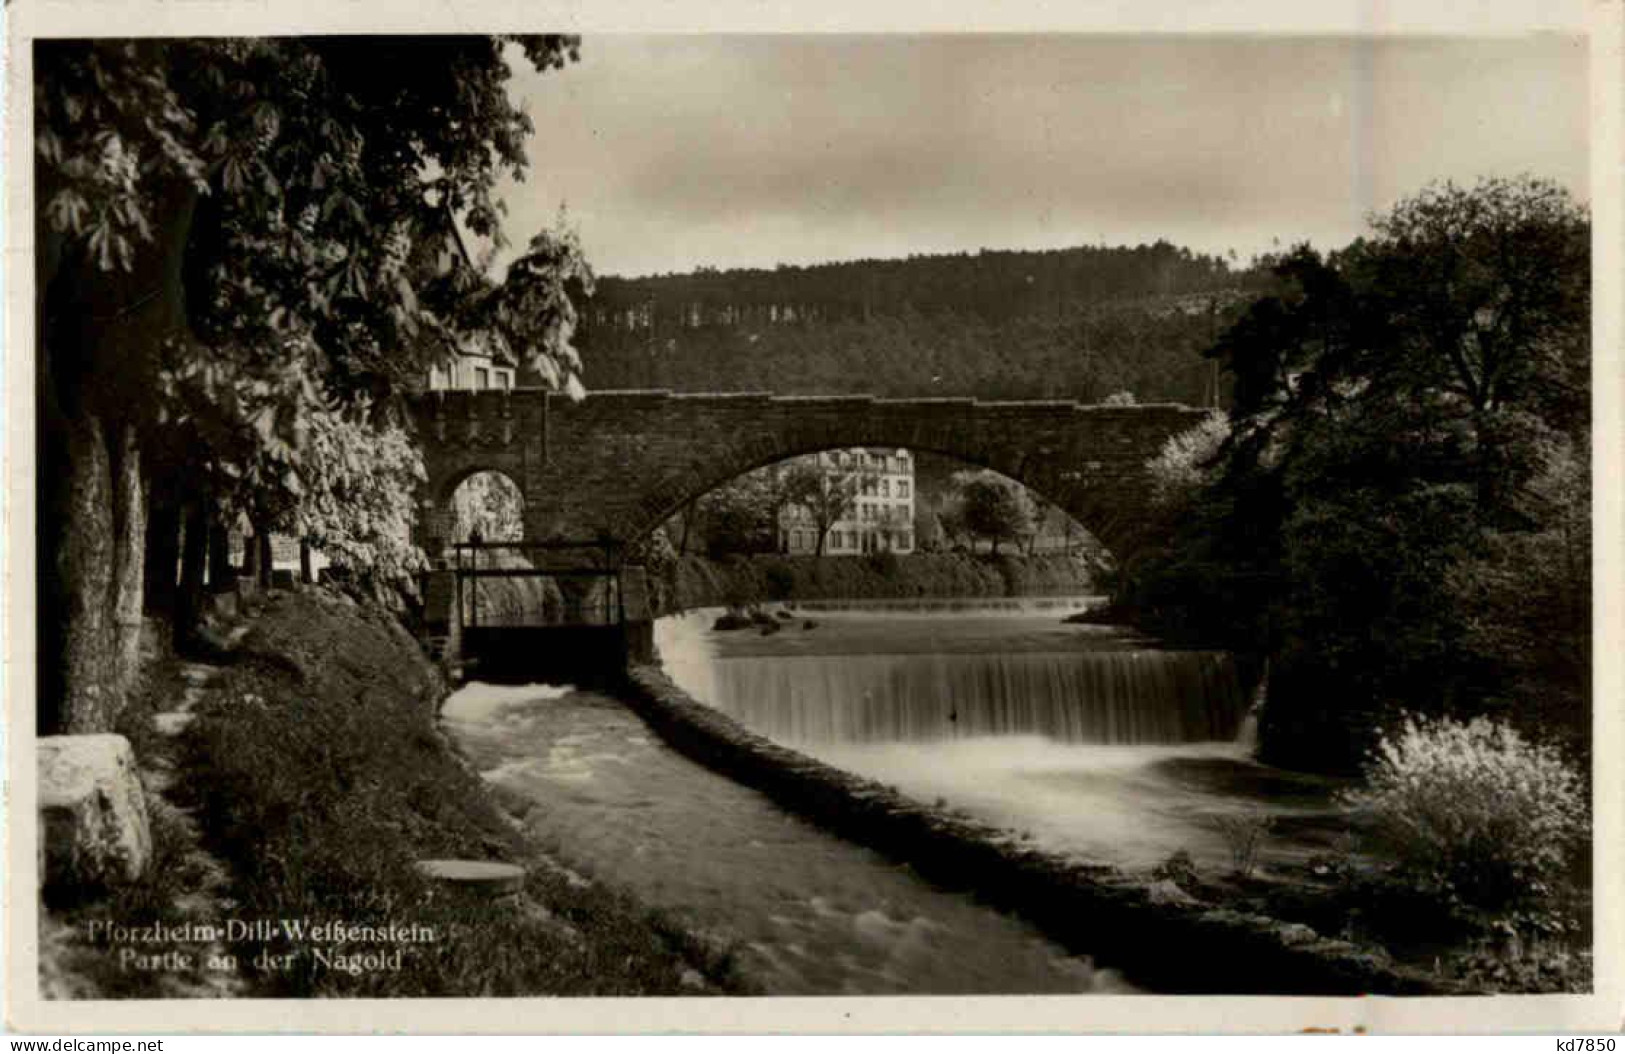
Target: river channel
1079 739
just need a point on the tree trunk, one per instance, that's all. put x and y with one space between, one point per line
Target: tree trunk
129 553
163 556
306 575
98 332
251 556
197 538
263 538
90 696
221 576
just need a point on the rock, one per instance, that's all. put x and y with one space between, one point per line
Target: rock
784 615
482 877
93 814
1178 868
172 722
809 624
1295 933
1165 892
730 621
223 605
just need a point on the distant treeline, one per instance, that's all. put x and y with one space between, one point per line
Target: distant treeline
1077 323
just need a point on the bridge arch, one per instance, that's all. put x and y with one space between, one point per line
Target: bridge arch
699 480
617 464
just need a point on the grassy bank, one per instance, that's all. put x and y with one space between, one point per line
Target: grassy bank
698 581
321 778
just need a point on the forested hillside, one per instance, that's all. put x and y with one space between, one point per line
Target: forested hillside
1078 323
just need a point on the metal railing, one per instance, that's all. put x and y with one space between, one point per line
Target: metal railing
585 575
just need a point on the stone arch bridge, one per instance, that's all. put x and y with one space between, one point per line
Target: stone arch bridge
616 464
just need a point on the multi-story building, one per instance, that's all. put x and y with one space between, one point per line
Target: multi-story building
474 369
881 514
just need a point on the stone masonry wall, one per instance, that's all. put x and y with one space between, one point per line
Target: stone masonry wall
1157 937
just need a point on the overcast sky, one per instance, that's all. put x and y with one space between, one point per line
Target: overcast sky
676 151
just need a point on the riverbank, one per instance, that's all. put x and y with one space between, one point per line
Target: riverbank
317 776
697 581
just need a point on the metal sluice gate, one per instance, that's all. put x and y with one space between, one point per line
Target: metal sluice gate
553 610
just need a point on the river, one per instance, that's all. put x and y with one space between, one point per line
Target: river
1079 739
1084 739
805 912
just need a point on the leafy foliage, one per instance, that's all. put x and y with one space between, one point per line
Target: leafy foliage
1397 409
1525 598
356 504
334 169
988 505
1075 323
490 503
1477 817
1186 463
827 498
741 516
303 203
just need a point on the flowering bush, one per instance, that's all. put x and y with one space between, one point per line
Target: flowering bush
1477 817
1187 462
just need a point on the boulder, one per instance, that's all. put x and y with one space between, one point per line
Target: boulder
1295 933
93 815
1166 891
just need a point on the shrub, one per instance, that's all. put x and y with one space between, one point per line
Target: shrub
1186 463
1477 818
1179 869
781 581
1244 835
884 563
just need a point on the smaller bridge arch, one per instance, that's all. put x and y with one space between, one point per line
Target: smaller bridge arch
615 465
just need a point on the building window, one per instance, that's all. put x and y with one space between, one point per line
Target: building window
902 488
482 378
885 488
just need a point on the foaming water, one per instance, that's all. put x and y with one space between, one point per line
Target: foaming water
858 678
806 912
1128 697
1080 739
